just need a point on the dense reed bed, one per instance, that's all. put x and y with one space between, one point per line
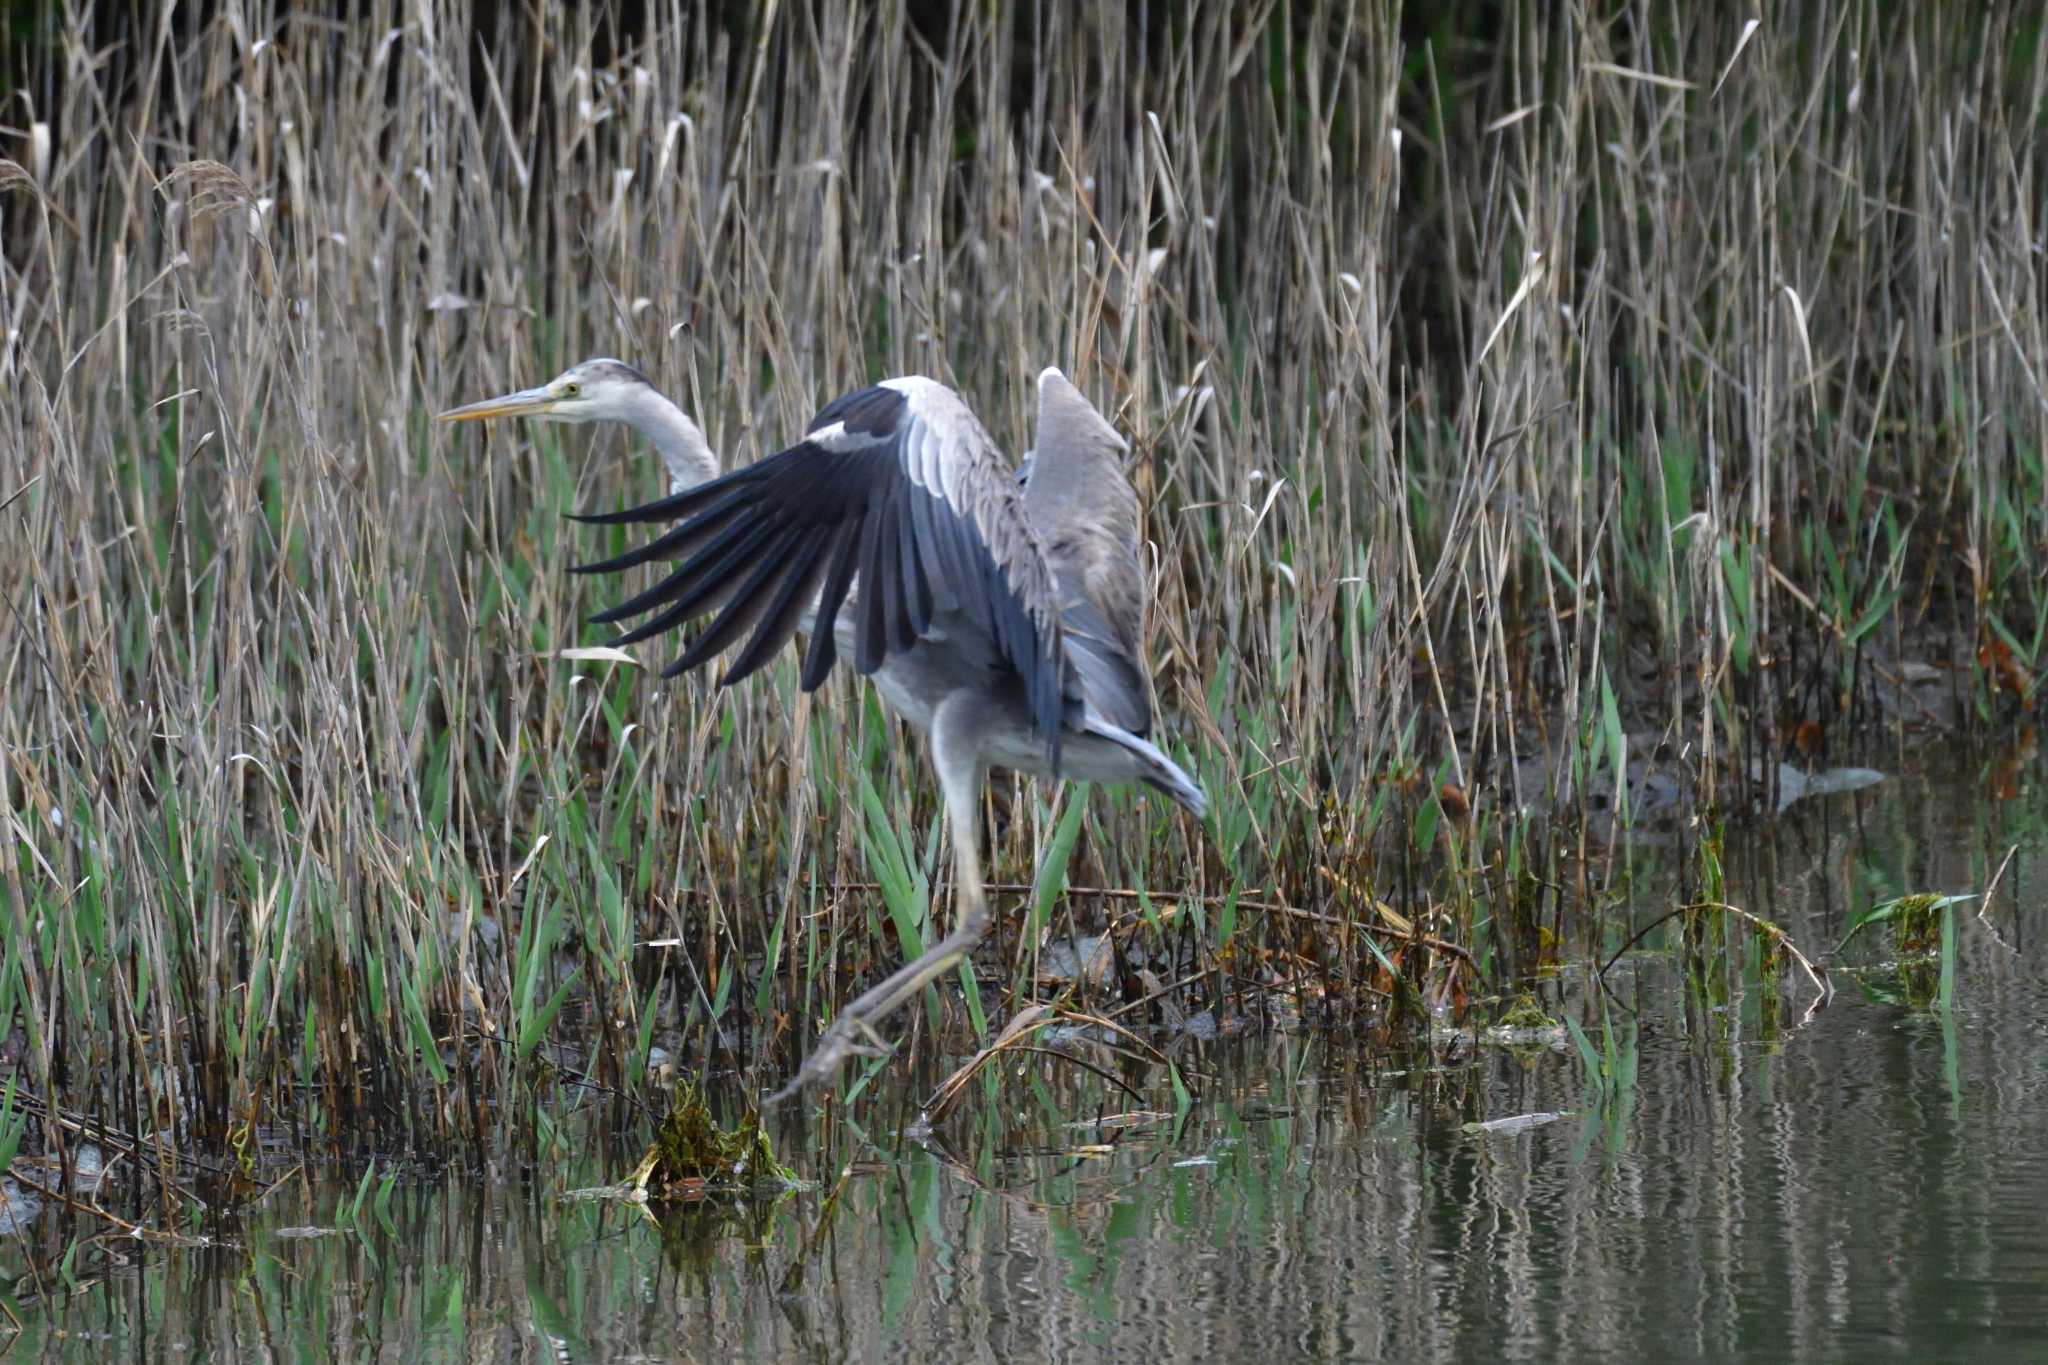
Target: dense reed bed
1620 391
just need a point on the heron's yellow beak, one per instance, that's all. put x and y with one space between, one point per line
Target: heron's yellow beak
525 403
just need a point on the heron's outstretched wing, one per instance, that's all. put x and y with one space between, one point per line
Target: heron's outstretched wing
1086 515
896 485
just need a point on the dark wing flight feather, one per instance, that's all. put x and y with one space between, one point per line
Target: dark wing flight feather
896 486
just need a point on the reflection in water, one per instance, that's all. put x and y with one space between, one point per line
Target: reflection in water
1867 1182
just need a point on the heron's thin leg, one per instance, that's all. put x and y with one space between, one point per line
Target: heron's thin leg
957 725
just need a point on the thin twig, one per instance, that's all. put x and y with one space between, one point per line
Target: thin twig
135 1230
1984 902
1814 973
1266 907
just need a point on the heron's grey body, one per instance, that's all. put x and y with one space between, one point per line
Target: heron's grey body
1005 624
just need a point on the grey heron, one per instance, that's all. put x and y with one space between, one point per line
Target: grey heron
1004 622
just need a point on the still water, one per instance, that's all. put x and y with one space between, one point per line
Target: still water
1865 1182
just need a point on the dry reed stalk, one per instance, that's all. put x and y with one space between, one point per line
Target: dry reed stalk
1489 402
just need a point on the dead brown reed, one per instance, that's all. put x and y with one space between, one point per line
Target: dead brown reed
1535 415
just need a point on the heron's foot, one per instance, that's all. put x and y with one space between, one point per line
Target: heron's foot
849 1036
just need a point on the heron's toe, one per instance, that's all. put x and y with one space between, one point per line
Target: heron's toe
849 1036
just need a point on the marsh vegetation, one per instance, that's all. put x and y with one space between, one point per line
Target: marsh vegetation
1543 436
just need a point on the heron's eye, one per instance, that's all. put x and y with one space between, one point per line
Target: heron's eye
571 389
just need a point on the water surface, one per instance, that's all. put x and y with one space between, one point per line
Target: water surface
1867 1181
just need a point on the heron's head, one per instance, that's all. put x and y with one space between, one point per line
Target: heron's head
593 391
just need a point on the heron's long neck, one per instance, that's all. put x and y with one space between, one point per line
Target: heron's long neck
681 441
